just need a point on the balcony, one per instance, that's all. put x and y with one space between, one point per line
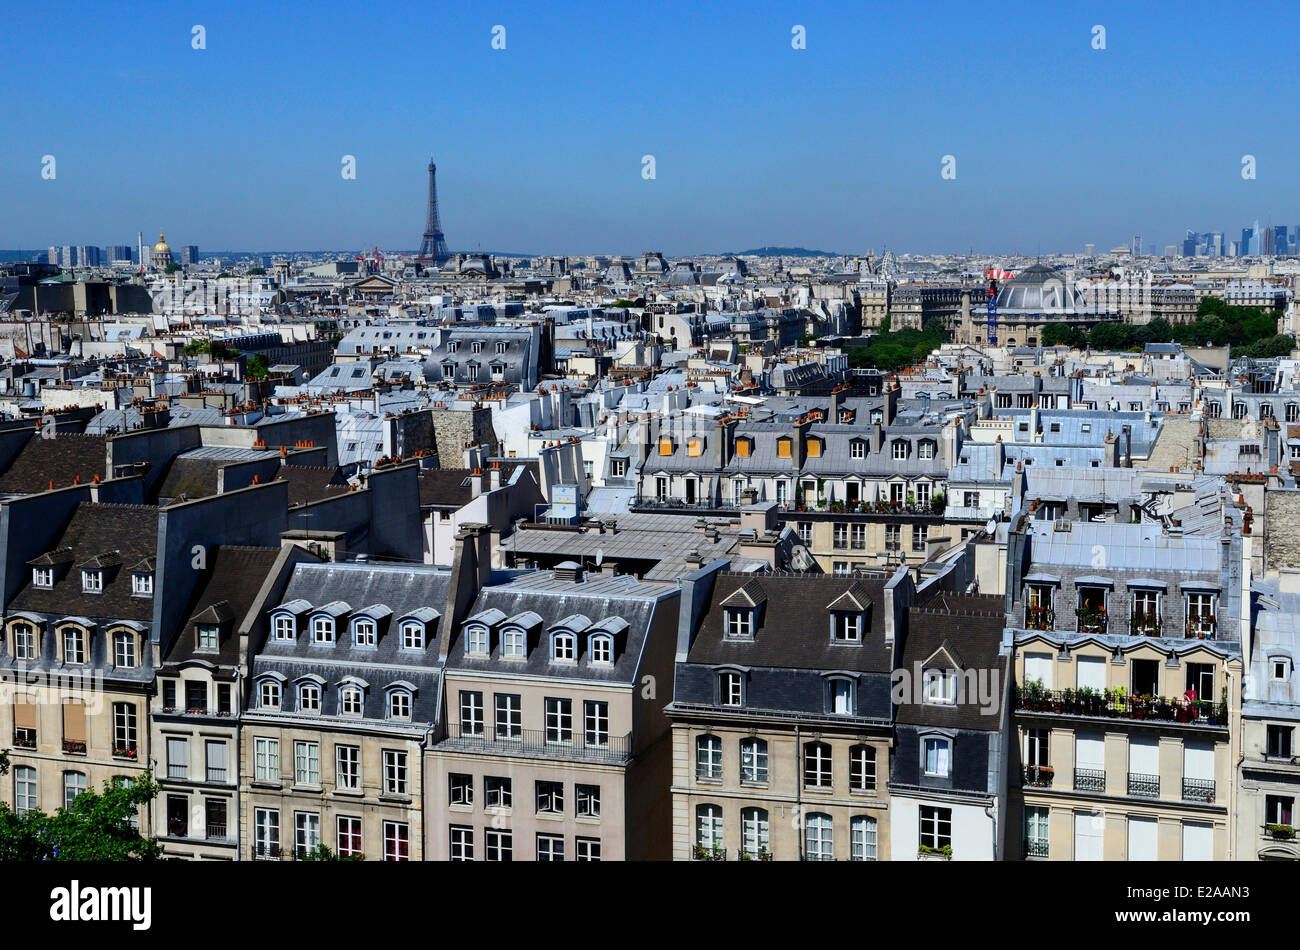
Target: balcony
1038 776
1035 847
25 738
266 852
535 743
1091 619
762 854
1145 625
1198 790
74 746
1202 628
1039 618
1089 780
1120 704
1280 832
715 853
126 751
1141 785
216 832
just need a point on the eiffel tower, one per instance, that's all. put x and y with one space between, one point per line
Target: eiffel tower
433 246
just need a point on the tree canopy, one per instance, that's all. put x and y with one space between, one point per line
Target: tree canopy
95 827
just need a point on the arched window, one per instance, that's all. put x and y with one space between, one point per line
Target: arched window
753 761
937 752
602 648
862 768
309 698
840 699
862 838
753 833
816 765
124 652
399 704
819 843
708 757
363 632
1238 410
564 647
284 627
513 642
322 629
412 635
350 701
708 831
75 642
268 695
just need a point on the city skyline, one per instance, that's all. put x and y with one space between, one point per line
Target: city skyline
207 151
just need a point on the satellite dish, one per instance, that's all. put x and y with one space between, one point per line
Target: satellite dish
600 556
992 526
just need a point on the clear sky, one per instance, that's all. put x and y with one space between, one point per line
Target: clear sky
539 146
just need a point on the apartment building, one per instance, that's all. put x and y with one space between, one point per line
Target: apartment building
1128 670
344 694
555 746
782 717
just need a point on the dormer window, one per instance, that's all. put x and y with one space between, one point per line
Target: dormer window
941 687
283 627
124 652
322 630
476 641
783 447
744 447
412 636
476 346
846 627
514 643
453 346
399 704
900 450
268 696
564 647
602 648
501 347
925 449
208 636
92 582
142 585
350 701
309 698
937 751
363 633
731 689
814 448
1280 668
43 577
74 645
840 696
858 448
740 623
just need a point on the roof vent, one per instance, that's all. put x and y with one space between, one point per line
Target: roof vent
569 571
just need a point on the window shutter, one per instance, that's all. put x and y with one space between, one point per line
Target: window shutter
1038 666
24 712
1089 752
1141 839
74 721
1091 671
1144 755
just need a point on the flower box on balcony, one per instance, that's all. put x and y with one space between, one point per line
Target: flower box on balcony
75 748
124 752
1281 832
926 853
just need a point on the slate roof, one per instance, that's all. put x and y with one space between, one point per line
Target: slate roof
308 483
969 627
60 459
223 595
793 630
130 533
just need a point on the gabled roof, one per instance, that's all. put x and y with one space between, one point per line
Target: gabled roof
750 594
855 598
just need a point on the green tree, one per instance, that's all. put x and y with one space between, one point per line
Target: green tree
172 268
255 271
257 367
322 852
96 827
1064 335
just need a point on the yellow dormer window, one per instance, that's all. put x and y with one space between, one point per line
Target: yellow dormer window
814 448
694 447
665 446
743 448
783 448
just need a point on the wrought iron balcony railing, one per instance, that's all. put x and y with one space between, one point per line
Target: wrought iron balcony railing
1038 775
1198 790
1089 780
1118 704
1142 785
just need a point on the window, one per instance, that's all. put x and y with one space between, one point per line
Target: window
309 698
349 828
24 641
322 630
24 789
550 848
602 648
306 763
1278 810
363 633
497 792
266 759
816 765
753 761
43 577
731 689
846 627
1145 616
740 624
124 656
1279 741
596 724
925 449
284 627
462 843
214 754
394 772
142 585
412 636
862 838
586 849
938 752
840 699
708 758
819 841
306 831
206 637
92 582
269 694
858 449
397 841
509 716
471 713
708 828
460 788
559 720
550 798
900 451
862 768
347 767
587 800
350 701
564 647
754 839
805 532
970 499
783 448
1200 615
859 542
513 643
225 699
617 468
74 783
74 645
499 845
178 758
941 687
399 704
266 832
1036 834
936 827
124 730
476 641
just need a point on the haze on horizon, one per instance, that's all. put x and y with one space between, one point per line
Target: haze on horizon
539 146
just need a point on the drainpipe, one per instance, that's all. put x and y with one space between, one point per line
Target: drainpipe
798 786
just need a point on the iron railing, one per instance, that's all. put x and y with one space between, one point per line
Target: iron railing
1089 780
1198 790
1120 705
1142 785
1038 775
1035 847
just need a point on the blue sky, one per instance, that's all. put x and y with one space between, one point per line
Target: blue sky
539 146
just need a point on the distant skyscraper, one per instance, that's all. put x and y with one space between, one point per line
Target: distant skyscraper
1190 243
1281 243
190 254
1267 243
120 254
88 255
1090 250
1137 245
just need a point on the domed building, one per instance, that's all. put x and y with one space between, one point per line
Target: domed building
1034 299
162 254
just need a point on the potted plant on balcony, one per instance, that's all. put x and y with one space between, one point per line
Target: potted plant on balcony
938 501
1118 701
1282 832
944 853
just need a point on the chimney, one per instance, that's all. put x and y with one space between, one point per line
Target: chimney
494 476
799 448
834 417
723 442
476 483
